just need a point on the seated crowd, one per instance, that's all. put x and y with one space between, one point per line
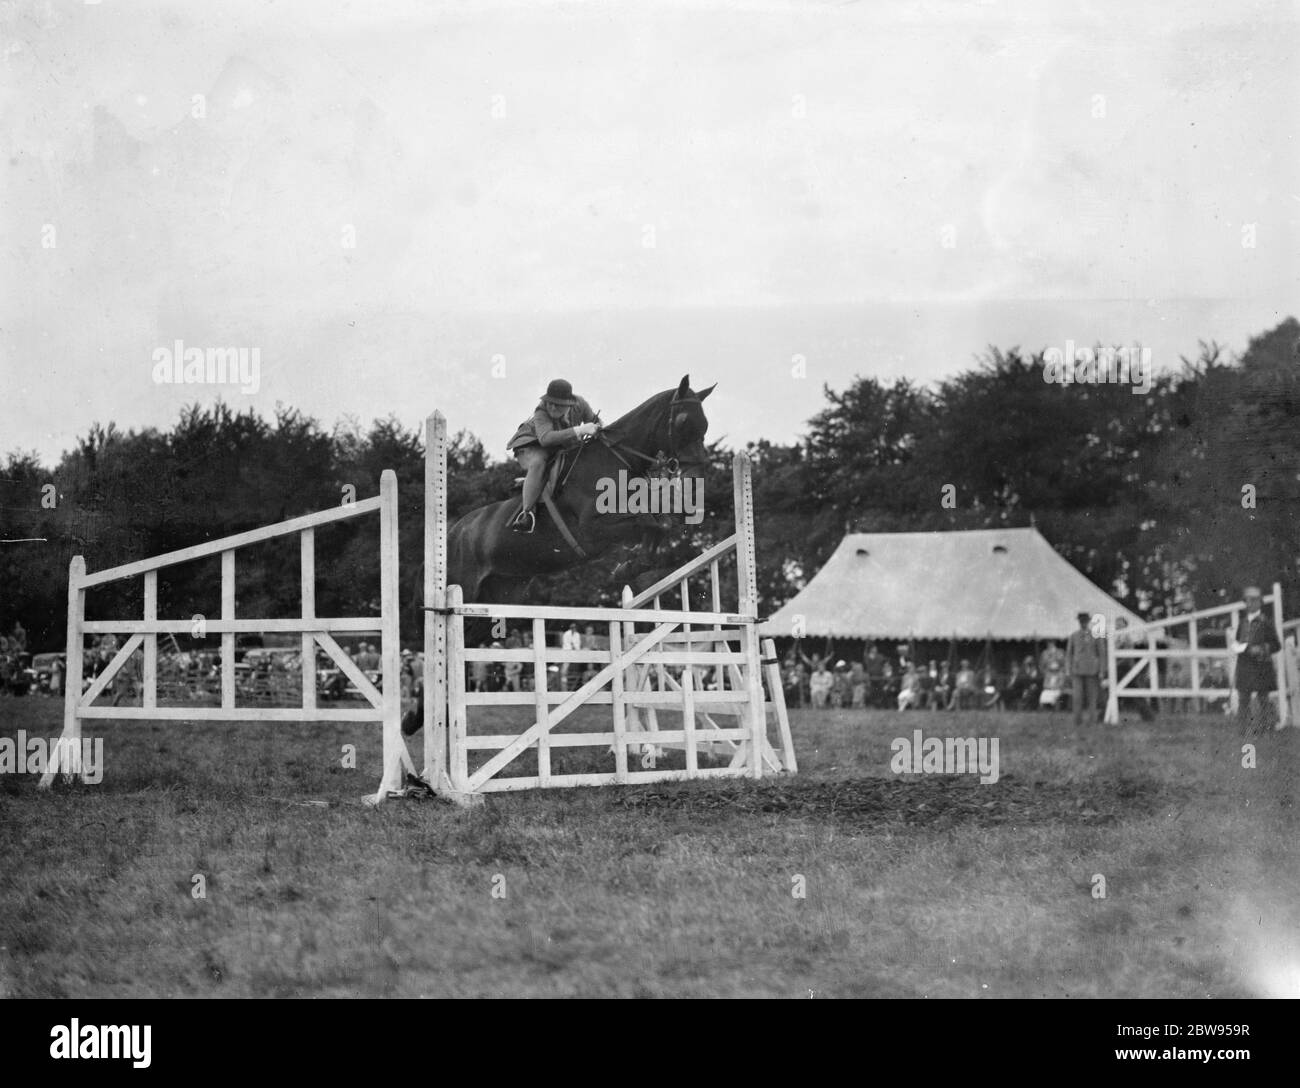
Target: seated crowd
905 683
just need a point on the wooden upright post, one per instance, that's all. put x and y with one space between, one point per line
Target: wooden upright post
618 694
149 694
1112 672
307 567
1283 706
540 702
228 637
436 765
1153 668
396 757
1234 622
747 592
71 677
457 724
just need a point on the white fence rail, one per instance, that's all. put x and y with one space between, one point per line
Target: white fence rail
384 703
1134 660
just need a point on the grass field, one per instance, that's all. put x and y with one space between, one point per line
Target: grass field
916 886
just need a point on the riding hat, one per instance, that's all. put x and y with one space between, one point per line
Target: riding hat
560 392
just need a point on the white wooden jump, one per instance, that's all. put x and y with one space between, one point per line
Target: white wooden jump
707 667
647 640
384 706
1127 645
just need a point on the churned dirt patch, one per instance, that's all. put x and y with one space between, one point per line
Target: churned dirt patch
919 801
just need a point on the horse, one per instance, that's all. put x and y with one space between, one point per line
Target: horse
663 436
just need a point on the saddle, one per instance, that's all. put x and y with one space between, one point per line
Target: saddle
556 474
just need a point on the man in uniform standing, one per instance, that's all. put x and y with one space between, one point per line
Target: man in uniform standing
1083 657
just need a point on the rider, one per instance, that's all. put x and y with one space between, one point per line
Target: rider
560 419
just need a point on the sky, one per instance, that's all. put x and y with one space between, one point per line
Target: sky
407 206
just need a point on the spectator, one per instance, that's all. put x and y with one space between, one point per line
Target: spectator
878 672
942 692
125 679
857 685
1013 693
529 674
990 689
801 676
1083 657
820 684
496 674
964 692
1177 675
1052 665
589 642
1033 681
925 680
514 669
570 640
1254 643
816 661
911 694
841 691
794 680
478 672
1213 674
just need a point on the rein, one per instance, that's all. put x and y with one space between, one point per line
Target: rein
661 463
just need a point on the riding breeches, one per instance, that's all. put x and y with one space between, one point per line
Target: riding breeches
533 459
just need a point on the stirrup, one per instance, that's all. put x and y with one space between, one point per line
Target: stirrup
525 522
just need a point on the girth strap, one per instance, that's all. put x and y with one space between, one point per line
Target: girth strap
558 518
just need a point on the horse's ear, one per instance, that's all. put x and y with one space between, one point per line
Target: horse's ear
684 390
705 392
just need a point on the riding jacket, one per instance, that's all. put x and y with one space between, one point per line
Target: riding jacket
539 428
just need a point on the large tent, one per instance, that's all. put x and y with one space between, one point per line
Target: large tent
999 584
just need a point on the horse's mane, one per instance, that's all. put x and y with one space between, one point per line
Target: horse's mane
646 407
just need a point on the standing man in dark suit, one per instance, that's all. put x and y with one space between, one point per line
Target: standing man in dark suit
1255 642
1084 654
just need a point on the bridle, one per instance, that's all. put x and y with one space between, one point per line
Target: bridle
660 464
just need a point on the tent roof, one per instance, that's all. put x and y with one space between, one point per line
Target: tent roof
986 583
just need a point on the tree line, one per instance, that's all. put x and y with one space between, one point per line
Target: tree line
1168 499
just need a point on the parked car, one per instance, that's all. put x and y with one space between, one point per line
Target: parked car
41 670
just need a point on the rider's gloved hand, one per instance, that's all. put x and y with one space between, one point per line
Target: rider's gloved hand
586 430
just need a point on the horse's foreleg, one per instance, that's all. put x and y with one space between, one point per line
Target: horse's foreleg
413 719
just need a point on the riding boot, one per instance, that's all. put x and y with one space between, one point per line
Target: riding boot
525 522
